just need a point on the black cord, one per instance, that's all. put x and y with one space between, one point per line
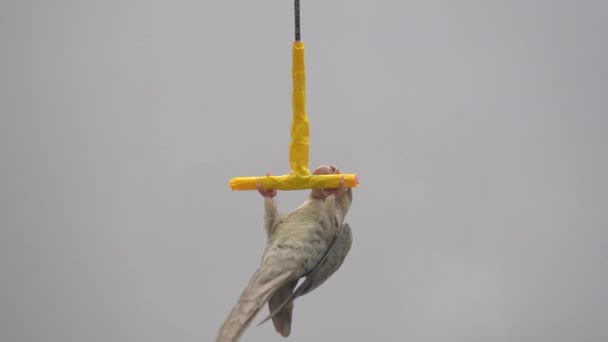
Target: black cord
297 13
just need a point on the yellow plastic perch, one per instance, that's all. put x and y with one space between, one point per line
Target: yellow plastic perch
300 177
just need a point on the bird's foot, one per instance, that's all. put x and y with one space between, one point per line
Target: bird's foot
266 193
337 191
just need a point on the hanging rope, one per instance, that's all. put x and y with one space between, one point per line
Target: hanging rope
297 19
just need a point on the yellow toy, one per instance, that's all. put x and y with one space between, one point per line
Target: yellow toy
299 178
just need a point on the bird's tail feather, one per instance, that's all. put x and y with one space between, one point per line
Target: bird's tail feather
253 298
282 319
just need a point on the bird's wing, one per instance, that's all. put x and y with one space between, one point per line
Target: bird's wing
328 265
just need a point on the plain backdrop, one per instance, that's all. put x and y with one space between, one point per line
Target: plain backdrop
478 130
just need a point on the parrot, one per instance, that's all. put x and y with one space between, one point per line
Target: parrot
311 242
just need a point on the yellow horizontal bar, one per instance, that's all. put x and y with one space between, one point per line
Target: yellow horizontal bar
294 182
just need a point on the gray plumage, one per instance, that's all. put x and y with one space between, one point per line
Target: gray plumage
330 263
311 241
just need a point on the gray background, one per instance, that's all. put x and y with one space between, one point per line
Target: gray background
477 129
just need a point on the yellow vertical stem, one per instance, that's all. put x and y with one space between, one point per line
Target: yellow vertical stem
298 148
300 177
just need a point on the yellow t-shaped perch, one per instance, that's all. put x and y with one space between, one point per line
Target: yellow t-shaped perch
300 177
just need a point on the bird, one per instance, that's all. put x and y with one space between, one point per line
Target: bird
310 242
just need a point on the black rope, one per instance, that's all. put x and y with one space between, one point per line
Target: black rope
297 13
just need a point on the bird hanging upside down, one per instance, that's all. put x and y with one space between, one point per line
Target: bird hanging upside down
312 242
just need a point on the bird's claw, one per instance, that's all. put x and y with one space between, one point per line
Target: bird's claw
266 193
337 191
